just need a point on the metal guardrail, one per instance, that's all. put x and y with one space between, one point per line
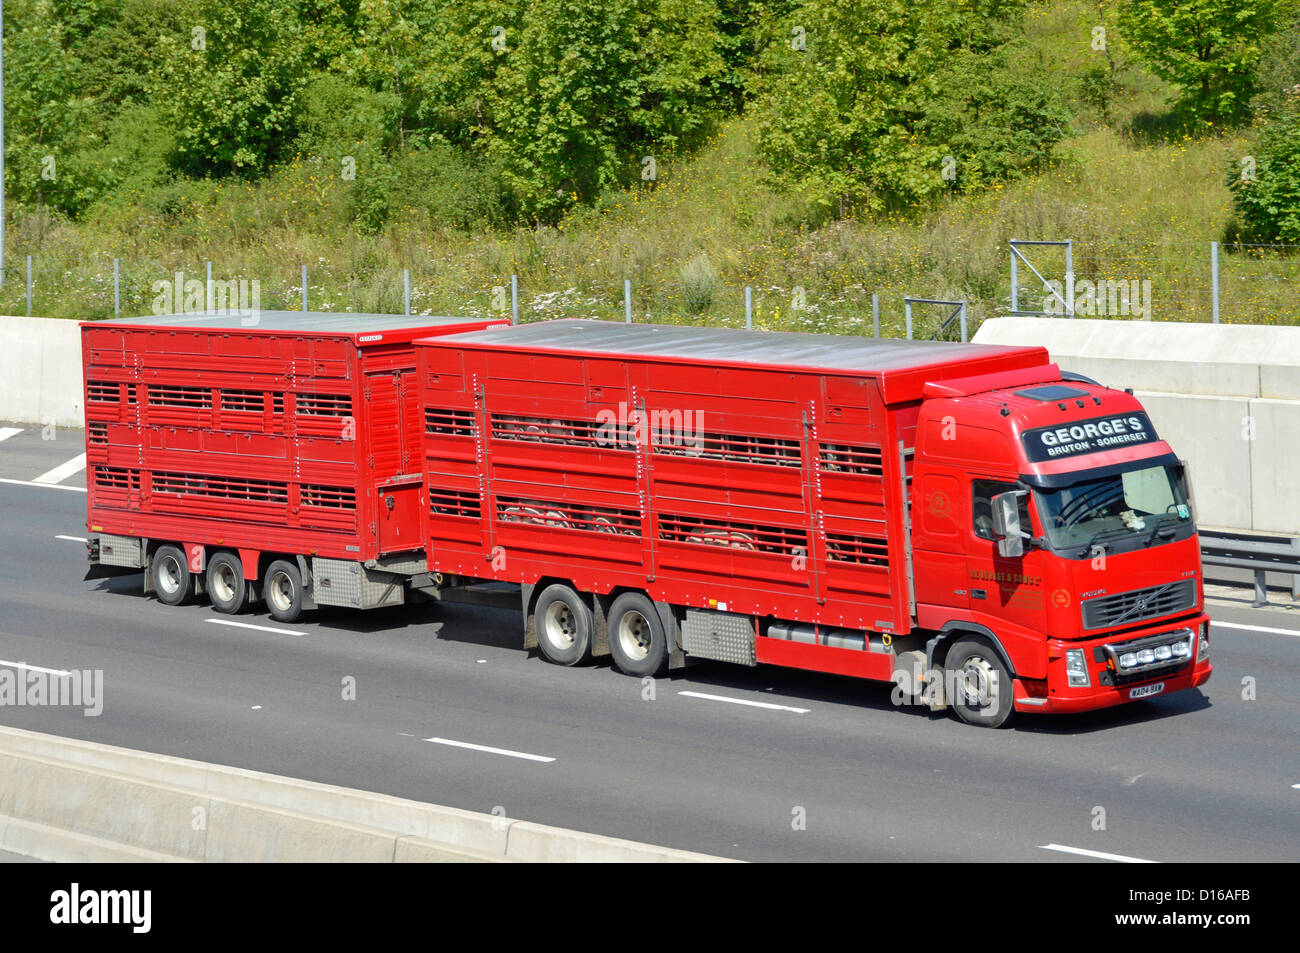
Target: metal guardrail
1259 554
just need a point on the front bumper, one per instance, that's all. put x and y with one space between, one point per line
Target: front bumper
1107 687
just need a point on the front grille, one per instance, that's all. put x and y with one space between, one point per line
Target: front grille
1139 604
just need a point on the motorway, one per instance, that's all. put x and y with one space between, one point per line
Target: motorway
760 764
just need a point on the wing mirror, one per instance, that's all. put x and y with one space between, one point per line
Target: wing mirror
1006 523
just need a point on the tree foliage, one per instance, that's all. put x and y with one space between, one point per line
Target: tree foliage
1207 48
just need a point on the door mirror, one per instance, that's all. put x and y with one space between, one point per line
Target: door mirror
1006 523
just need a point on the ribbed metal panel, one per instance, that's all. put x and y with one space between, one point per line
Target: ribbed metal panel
724 636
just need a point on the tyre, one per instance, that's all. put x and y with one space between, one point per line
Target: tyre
637 640
227 587
170 574
283 591
981 692
564 623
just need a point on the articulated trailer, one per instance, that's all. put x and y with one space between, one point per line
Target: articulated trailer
969 522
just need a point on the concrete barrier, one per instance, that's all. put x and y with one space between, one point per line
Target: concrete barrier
67 800
40 371
1226 397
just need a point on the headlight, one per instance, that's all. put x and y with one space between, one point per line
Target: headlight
1146 656
1181 650
1128 660
1164 652
1203 650
1076 668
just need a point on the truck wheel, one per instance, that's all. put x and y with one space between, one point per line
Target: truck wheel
172 581
981 690
637 640
283 591
226 585
564 625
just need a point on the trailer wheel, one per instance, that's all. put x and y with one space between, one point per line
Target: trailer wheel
637 640
564 624
227 587
283 591
980 683
172 580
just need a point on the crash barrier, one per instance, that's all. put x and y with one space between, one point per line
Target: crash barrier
67 800
1260 554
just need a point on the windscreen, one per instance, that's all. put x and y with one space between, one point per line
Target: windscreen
1139 501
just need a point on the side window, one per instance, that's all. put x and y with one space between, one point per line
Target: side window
982 493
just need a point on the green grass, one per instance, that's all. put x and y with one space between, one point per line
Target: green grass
1139 201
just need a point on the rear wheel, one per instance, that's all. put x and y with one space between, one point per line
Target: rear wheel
227 587
564 625
283 589
980 684
171 577
637 639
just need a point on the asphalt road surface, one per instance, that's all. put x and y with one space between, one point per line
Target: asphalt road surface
761 764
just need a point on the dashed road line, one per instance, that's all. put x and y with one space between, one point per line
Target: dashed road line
490 750
7 432
259 628
48 486
745 701
63 470
73 539
1255 628
33 668
1099 854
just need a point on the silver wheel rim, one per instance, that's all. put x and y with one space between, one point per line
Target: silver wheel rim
279 591
223 583
560 626
977 686
634 635
169 575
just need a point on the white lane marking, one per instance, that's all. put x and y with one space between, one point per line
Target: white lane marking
1256 628
48 486
1100 855
1296 786
505 751
259 628
63 470
7 432
33 668
745 701
73 539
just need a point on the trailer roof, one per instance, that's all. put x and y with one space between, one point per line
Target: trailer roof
902 367
314 322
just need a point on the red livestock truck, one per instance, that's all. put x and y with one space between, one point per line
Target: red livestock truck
969 522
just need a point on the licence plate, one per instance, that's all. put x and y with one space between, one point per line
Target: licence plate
1143 691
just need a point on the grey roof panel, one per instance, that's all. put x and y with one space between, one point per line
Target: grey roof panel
785 348
318 322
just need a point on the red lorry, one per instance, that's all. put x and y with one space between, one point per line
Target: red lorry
969 522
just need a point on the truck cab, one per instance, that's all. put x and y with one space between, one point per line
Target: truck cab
1051 524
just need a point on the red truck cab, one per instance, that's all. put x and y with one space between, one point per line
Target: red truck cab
1050 518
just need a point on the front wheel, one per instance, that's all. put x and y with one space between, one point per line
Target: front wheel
283 591
979 683
637 640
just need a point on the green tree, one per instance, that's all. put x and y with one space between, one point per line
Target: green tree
1207 48
1268 201
875 103
228 84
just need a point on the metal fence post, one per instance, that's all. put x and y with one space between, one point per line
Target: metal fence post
29 284
875 315
907 307
117 294
1069 277
1214 280
749 308
406 291
304 288
963 323
1015 291
627 300
514 299
207 290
